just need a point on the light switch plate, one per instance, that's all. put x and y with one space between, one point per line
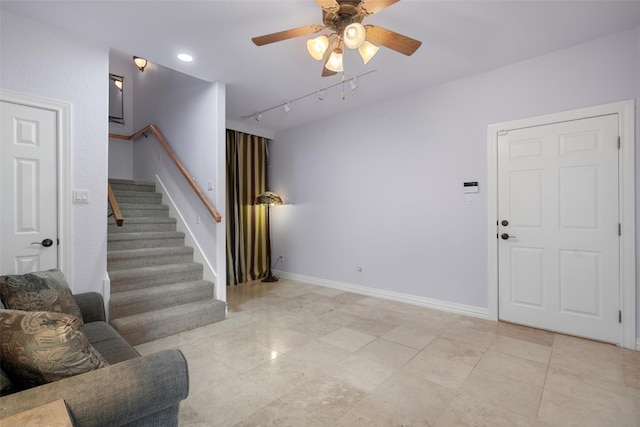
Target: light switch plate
80 196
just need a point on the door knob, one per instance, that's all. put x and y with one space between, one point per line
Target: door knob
46 243
505 236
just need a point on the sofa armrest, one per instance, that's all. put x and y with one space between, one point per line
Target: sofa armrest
92 307
115 395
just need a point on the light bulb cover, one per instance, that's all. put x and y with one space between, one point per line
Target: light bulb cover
354 35
334 63
141 63
317 47
118 84
367 50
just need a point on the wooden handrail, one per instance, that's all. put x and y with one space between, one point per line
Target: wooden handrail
115 208
154 129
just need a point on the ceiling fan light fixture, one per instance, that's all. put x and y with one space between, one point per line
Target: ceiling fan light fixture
334 63
367 51
317 47
354 35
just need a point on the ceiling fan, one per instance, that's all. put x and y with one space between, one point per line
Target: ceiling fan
344 19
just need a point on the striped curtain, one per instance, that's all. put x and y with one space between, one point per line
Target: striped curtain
247 254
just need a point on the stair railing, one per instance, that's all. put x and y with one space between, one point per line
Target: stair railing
115 208
154 129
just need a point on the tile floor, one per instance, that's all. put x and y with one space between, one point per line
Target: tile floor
293 354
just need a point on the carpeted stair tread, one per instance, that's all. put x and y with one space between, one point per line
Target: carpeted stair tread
143 224
152 325
150 235
125 185
140 197
156 288
141 295
137 301
144 257
130 210
145 277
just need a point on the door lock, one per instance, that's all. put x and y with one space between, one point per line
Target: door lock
504 223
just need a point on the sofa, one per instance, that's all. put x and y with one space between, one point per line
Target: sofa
125 389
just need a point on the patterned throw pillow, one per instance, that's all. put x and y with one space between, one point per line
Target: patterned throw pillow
39 291
41 347
6 386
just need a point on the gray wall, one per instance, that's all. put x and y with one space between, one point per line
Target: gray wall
381 187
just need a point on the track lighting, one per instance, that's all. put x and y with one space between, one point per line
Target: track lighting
320 93
353 84
141 63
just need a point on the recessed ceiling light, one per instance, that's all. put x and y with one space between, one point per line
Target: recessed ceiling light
185 57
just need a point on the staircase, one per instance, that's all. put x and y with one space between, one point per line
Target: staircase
156 288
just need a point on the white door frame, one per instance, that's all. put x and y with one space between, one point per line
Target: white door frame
63 166
626 112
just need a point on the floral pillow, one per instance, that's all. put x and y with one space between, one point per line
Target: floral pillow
38 347
39 291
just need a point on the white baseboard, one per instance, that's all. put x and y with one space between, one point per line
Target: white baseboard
450 307
637 344
208 272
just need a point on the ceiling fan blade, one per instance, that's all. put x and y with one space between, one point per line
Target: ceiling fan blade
326 72
392 40
369 7
288 34
329 5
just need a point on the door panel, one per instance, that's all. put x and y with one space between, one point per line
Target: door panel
558 190
28 214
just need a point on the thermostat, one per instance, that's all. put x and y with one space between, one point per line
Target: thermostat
471 187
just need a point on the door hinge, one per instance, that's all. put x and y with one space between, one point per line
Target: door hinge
619 229
619 143
619 316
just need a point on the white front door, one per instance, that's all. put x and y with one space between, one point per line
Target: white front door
28 189
558 241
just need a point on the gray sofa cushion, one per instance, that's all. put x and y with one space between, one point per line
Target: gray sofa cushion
108 342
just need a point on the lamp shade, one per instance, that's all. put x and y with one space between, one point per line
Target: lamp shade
367 50
354 35
268 198
334 63
317 47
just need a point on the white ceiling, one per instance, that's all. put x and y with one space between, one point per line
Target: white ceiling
460 38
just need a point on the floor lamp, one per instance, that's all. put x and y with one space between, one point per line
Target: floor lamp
268 198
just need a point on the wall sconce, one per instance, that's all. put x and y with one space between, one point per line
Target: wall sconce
141 63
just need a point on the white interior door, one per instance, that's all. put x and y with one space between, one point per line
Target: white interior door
28 189
558 227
